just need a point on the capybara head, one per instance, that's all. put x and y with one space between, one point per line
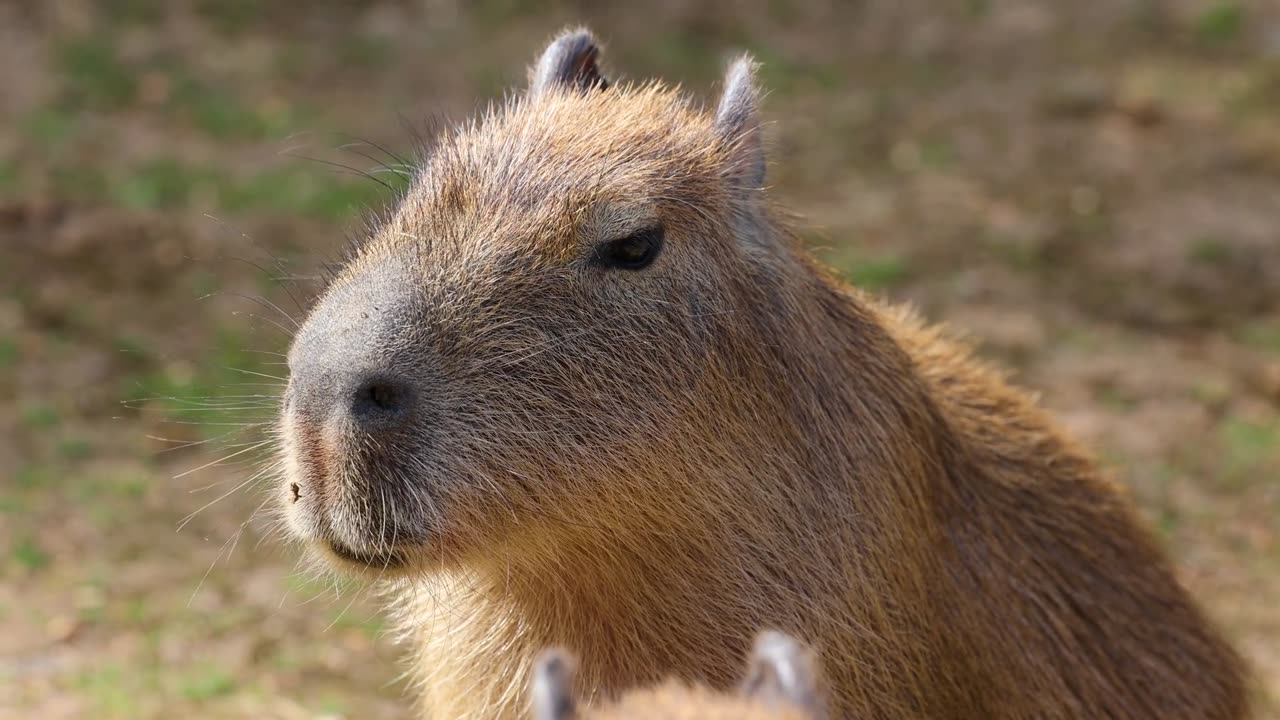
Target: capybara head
544 321
781 683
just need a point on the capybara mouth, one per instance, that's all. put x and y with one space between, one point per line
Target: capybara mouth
386 560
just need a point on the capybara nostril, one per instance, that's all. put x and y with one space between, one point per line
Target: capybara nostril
379 398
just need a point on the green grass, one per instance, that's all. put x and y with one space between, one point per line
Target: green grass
332 706
135 612
371 626
1168 521
867 270
1115 398
74 448
489 79
226 118
40 417
231 16
977 9
291 61
877 273
164 184
95 75
9 176
11 504
8 352
30 555
111 690
1015 252
1221 22
306 586
678 53
1250 448
1209 251
229 368
89 488
137 11
206 684
495 12
80 182
1262 335
1211 392
222 114
313 192
303 188
49 126
784 75
937 153
132 346
32 476
93 614
366 52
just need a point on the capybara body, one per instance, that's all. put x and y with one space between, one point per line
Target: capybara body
584 388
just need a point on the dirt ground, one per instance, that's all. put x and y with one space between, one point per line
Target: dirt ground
1090 189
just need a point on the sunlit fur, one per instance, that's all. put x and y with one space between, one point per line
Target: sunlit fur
782 682
677 701
648 467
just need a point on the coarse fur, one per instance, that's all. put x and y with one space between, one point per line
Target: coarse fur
646 467
782 682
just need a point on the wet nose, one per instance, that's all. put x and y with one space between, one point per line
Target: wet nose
378 399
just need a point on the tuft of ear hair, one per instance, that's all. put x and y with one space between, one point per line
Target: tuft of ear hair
738 123
783 671
570 61
552 689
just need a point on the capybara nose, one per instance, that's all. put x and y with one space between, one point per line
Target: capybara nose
378 399
351 367
351 400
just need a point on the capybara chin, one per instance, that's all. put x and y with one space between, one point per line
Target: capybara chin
583 388
782 682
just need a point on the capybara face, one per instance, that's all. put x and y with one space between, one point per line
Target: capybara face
534 323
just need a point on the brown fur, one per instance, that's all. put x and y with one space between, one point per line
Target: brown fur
648 467
781 683
677 701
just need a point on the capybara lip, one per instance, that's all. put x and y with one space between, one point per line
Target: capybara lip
388 559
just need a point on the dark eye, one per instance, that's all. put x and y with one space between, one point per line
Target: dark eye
633 252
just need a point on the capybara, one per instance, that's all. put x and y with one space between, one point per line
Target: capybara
781 683
583 387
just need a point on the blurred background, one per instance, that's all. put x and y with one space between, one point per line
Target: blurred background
1089 189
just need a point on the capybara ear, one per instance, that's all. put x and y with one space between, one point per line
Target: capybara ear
783 671
552 689
738 124
570 62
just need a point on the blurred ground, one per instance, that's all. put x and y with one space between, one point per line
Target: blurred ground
1091 189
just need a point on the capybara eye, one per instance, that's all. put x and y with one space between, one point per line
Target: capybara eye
636 251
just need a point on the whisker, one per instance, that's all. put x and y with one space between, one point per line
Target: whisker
222 459
252 372
262 301
382 166
218 499
358 172
287 332
184 444
394 156
233 540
